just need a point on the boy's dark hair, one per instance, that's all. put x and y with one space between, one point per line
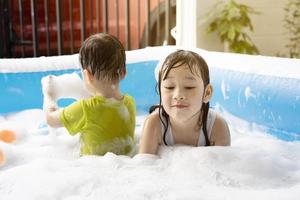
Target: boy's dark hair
104 56
197 66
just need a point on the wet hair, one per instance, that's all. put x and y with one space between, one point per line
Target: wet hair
104 56
198 66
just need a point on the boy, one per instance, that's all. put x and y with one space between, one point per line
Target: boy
106 120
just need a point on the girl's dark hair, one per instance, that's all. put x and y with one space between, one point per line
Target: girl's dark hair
198 66
104 55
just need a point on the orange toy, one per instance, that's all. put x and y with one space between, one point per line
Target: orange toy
7 136
1 158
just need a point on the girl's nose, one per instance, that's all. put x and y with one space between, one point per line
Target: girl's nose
178 95
179 98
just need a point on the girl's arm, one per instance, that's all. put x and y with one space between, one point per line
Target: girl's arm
150 135
220 132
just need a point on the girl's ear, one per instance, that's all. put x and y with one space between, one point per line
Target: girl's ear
208 93
123 74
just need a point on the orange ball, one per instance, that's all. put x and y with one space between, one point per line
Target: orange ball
2 160
7 136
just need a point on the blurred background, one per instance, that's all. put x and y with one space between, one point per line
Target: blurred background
31 28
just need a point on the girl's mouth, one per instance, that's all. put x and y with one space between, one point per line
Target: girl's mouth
180 106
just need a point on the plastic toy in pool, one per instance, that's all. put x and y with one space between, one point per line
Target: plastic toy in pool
2 160
7 136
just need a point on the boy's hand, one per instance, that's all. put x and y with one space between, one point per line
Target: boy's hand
50 106
49 94
48 87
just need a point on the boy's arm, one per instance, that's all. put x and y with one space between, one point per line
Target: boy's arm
52 117
50 106
63 86
52 112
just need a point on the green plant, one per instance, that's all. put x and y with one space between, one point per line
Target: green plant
292 24
231 23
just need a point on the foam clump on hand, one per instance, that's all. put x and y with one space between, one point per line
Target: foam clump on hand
64 86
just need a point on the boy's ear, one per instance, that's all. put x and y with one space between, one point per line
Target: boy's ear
87 75
208 93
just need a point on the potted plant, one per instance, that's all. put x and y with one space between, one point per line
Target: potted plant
292 24
231 23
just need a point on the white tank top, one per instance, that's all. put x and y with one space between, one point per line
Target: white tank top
201 142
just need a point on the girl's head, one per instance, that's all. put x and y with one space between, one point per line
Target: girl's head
184 89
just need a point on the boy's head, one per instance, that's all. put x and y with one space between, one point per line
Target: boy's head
103 56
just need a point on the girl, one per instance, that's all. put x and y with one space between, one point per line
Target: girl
183 115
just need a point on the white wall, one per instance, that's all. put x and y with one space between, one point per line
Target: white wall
269 35
186 23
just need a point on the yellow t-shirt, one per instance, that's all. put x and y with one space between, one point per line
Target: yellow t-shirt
106 125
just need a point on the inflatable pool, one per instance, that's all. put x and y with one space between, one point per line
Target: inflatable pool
264 91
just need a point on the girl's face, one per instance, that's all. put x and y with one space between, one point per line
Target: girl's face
182 93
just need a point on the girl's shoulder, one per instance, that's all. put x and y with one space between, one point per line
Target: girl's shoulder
153 122
220 135
151 134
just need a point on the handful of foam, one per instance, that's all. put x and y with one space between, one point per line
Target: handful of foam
65 86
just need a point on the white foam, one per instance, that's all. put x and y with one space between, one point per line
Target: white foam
45 163
256 166
65 86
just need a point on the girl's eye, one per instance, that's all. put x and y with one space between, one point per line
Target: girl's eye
189 88
169 88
